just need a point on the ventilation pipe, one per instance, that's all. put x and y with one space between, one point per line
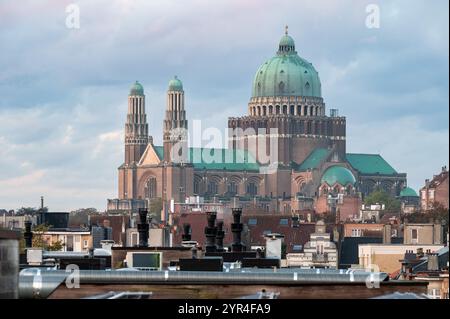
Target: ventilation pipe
236 229
143 228
211 232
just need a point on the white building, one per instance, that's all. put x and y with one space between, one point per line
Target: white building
319 252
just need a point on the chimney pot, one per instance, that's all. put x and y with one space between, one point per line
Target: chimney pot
143 228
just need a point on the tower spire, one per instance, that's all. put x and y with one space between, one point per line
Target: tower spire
286 29
175 124
136 127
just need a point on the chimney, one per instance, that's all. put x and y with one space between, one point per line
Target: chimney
236 229
42 202
433 262
28 235
387 234
210 232
219 236
420 252
143 228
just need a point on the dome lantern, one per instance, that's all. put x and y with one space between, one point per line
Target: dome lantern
175 84
287 44
137 89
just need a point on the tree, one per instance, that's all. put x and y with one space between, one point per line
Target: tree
30 211
381 197
40 242
80 217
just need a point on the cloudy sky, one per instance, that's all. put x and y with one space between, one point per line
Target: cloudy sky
63 91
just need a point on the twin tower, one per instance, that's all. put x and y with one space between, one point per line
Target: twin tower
136 127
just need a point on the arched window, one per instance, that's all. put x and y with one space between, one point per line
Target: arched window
308 127
270 109
284 109
305 110
150 188
252 190
277 109
264 110
307 86
232 189
213 188
281 87
292 111
196 187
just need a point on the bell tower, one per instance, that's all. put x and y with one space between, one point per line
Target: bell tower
175 124
136 127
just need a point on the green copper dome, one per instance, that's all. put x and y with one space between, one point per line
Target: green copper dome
287 40
286 74
408 192
175 84
338 174
137 89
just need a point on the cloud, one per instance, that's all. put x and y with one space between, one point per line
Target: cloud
64 91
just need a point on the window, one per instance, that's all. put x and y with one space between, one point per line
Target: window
252 189
414 236
319 249
212 188
284 221
85 243
431 194
232 188
297 248
196 188
357 233
252 221
267 232
150 188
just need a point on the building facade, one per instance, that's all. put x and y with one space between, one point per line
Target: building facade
435 191
318 252
286 155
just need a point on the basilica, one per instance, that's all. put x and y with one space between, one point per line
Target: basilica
286 121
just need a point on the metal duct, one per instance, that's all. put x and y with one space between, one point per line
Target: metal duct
39 283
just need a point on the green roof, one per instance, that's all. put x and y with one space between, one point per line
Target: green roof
370 164
286 74
314 159
221 159
338 174
175 84
137 89
408 192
